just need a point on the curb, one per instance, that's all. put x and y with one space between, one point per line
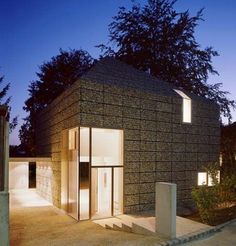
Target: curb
196 235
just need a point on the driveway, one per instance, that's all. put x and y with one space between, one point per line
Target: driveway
34 222
227 237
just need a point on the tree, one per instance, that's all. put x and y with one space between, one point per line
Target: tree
5 100
157 38
54 77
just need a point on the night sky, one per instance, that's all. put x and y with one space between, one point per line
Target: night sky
33 31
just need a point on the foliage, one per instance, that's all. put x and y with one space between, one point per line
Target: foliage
213 171
54 77
5 100
226 190
221 194
206 201
157 38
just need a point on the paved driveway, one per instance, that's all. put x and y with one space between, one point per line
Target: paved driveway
35 223
227 237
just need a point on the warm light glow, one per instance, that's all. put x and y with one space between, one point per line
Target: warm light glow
73 174
18 175
187 107
107 147
84 144
118 191
27 198
210 182
202 178
73 138
101 192
105 187
220 159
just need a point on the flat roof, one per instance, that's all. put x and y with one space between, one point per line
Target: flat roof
30 159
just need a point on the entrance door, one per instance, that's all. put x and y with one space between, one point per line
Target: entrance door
101 193
92 172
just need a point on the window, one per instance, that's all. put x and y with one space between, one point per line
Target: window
220 159
204 178
187 114
107 147
210 183
73 138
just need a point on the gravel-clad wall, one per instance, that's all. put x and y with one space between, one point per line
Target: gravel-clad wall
61 114
157 145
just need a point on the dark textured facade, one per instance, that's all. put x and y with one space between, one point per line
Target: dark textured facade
158 146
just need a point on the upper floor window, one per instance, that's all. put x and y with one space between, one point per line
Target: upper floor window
187 107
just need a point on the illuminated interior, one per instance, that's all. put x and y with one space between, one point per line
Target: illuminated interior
187 107
101 192
210 182
202 178
106 147
95 176
84 172
73 173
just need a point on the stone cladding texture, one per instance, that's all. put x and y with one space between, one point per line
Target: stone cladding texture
158 147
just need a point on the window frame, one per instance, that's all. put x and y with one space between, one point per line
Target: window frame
185 99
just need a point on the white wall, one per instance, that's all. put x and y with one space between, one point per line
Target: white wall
18 175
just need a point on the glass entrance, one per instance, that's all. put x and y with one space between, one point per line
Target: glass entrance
101 193
94 171
73 173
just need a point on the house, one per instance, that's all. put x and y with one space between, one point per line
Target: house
115 132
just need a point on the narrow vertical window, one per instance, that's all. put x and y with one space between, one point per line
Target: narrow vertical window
187 107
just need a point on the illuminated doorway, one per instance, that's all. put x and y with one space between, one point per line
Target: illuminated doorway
95 173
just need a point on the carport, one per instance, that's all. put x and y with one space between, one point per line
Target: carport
29 175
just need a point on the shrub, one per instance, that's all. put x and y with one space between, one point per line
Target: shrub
206 201
221 194
226 190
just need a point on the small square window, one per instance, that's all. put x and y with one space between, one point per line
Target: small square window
202 178
210 182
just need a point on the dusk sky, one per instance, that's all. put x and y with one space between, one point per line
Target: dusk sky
32 31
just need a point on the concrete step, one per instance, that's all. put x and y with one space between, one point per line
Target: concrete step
128 223
109 226
126 227
108 221
147 223
117 227
141 229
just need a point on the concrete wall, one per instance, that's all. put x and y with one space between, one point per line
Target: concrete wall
158 146
44 180
18 175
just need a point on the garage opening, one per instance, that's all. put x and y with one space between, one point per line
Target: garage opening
30 181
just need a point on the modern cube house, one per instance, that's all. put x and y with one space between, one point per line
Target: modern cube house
116 132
